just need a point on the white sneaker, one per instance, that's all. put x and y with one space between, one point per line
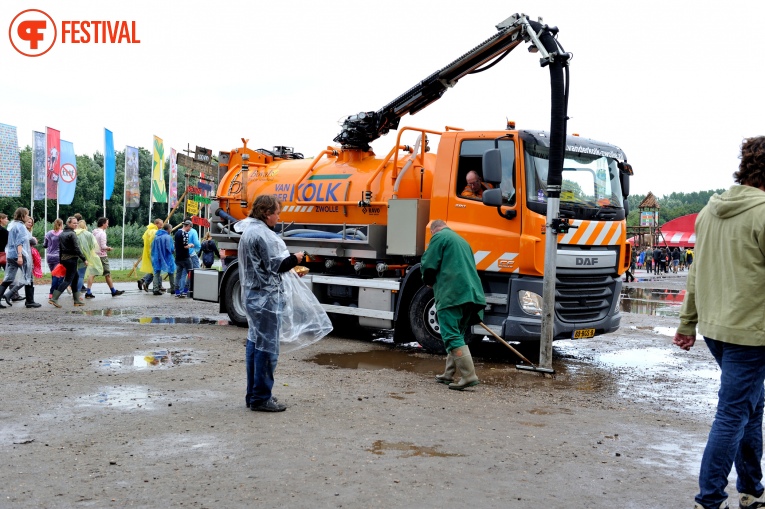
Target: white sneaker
746 501
724 505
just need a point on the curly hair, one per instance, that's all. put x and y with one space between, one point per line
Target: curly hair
751 171
264 206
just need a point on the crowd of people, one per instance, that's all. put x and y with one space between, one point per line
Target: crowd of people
662 260
76 256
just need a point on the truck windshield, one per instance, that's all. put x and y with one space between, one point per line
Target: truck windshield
590 189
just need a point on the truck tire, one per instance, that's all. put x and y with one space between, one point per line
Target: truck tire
423 321
232 300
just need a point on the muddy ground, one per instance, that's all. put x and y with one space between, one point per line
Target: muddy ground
99 407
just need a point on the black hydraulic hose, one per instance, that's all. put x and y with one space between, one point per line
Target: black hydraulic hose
225 215
558 106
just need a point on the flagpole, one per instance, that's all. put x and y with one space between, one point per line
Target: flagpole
45 170
32 187
124 202
104 195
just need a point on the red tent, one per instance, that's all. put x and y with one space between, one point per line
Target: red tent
679 232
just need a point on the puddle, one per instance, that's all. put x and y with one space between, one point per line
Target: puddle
179 320
408 449
153 359
661 375
105 312
491 373
123 397
645 358
651 301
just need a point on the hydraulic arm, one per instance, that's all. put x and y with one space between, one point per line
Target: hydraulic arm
363 128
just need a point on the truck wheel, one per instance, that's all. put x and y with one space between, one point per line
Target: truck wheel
422 319
232 300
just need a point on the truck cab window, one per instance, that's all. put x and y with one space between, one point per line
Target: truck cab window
470 184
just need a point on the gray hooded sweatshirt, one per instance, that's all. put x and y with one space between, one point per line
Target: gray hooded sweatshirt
725 294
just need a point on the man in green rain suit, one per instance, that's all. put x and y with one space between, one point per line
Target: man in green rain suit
449 267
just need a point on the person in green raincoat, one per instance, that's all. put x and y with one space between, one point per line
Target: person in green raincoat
448 266
89 248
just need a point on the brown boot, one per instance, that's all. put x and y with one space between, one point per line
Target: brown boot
448 376
464 362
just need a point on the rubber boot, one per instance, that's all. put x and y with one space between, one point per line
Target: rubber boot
464 362
54 300
29 292
448 376
77 300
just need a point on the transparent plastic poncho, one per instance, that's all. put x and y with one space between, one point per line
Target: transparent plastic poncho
17 232
283 314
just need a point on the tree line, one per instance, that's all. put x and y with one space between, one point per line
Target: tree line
672 206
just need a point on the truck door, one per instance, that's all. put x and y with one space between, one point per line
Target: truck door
494 239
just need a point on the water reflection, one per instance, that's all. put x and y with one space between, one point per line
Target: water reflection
179 320
651 301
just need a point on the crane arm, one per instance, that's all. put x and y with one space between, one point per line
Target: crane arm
359 130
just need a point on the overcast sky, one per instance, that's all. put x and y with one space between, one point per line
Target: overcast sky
675 85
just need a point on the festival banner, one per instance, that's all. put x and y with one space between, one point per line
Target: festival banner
173 201
158 186
10 164
110 164
38 166
68 174
54 164
132 183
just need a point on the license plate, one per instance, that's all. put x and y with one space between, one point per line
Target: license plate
583 333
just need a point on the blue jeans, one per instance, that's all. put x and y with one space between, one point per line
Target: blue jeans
182 270
81 275
736 434
260 368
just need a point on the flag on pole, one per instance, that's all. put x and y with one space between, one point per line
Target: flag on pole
38 166
68 176
10 163
173 201
109 164
54 162
158 186
132 187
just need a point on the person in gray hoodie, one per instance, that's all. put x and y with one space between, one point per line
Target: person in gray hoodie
725 301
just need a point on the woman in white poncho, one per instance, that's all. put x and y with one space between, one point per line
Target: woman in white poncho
280 308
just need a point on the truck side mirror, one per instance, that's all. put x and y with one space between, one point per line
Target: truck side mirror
493 198
492 166
626 208
625 183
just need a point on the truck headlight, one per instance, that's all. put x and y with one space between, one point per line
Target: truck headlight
531 303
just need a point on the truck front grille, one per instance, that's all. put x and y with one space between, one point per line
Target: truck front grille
583 299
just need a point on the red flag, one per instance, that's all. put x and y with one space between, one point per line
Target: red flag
53 155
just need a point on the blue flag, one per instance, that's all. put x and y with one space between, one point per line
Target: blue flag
109 164
67 174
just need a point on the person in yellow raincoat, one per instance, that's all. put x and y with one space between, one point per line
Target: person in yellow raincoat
89 248
146 265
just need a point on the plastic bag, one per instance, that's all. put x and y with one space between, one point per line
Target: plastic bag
303 320
58 271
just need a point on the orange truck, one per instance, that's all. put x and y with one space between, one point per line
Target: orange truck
363 220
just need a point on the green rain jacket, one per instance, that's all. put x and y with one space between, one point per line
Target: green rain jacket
448 266
724 294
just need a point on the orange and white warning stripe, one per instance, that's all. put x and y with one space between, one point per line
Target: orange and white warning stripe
593 233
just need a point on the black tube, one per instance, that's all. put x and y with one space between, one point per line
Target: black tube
225 215
558 113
